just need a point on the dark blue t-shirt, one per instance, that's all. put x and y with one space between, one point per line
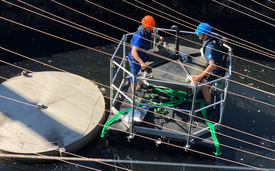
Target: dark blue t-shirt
210 53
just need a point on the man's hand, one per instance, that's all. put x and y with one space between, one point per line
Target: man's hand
143 65
196 78
161 38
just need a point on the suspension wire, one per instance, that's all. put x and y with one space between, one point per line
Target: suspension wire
184 25
114 40
111 55
133 162
74 27
62 159
90 16
220 51
41 156
271 1
178 37
244 46
55 36
202 138
195 42
129 17
237 149
190 135
105 52
218 30
189 55
217 66
188 149
94 32
244 13
102 162
263 5
42 109
235 94
251 9
154 112
227 146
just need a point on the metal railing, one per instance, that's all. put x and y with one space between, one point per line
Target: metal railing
192 112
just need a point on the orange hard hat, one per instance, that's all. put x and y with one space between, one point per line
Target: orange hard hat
148 21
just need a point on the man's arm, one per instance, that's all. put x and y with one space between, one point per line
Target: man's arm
156 36
197 78
135 55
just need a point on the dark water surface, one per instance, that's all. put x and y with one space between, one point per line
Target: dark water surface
243 114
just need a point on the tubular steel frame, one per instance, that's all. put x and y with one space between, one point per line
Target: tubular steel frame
190 135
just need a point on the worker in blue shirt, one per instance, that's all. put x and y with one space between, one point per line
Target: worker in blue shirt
211 50
140 45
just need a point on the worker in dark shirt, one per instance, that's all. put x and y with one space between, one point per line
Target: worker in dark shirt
211 50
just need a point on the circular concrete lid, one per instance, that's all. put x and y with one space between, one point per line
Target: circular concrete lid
72 108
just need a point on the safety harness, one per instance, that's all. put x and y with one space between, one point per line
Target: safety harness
225 57
175 98
145 37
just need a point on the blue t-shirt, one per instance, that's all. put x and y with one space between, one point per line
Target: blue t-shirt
138 41
210 53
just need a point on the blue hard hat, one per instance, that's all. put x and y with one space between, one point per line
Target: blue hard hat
203 28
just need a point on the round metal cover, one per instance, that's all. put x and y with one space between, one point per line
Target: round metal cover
73 108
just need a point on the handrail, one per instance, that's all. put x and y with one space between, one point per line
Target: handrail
195 87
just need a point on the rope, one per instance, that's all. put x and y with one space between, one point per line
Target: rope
110 121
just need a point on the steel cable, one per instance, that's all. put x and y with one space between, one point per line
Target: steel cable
199 137
245 97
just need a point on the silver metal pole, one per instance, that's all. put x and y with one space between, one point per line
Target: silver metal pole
223 104
133 108
111 84
216 80
195 90
121 92
188 32
213 104
115 75
124 54
117 49
164 107
122 68
156 32
160 81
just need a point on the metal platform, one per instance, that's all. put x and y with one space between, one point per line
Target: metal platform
183 123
